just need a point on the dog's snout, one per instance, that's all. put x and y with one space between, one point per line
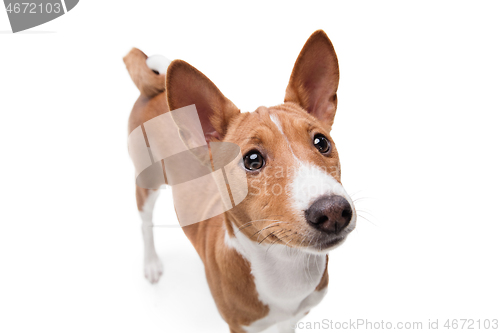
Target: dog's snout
330 214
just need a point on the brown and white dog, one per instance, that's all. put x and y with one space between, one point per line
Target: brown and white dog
265 259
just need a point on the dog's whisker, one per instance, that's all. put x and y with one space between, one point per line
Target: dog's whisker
367 220
365 211
248 224
269 226
286 247
361 199
266 237
308 260
353 194
300 245
279 238
253 221
261 230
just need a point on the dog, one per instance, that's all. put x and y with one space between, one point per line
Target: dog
265 259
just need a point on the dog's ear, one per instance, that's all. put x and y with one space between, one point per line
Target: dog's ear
315 78
186 86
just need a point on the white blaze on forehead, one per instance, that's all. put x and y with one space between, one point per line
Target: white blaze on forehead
277 122
311 183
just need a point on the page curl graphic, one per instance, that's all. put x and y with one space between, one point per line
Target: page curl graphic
206 180
26 14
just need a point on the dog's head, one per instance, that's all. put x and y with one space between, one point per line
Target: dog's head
293 169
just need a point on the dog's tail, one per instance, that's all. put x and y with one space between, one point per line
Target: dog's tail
148 73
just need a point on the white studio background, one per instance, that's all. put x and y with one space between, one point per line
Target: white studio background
416 129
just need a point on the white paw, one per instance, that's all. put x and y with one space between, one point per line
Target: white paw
153 269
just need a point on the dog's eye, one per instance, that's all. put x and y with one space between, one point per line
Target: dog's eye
321 143
253 161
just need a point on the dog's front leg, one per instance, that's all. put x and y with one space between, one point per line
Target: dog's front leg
146 199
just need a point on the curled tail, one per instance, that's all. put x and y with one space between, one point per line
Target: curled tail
148 73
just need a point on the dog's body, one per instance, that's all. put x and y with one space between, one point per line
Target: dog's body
266 259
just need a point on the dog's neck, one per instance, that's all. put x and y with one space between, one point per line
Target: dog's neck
284 276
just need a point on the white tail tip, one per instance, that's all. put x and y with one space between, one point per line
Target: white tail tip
158 63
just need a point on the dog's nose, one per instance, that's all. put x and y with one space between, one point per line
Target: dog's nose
330 214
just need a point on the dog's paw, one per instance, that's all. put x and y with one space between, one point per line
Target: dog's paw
153 269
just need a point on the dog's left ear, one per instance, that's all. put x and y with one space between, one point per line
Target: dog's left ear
186 86
315 78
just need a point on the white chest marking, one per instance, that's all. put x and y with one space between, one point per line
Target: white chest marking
285 278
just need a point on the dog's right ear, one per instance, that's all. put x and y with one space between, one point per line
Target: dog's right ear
186 86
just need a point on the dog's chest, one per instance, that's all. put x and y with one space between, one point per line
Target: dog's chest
285 279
